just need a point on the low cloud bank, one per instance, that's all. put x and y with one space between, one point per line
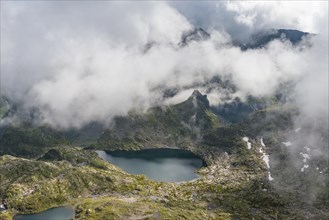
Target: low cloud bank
81 61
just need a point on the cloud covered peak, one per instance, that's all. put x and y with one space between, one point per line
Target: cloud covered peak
84 61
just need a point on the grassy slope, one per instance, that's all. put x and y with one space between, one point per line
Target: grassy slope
181 125
98 189
29 141
234 184
228 187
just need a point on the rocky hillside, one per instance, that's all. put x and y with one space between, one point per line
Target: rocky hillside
181 125
248 174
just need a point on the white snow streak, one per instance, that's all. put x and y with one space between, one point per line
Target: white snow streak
265 158
246 139
305 158
304 167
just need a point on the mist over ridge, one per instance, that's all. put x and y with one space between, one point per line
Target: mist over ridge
243 85
76 73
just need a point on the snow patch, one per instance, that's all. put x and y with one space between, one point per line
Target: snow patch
305 157
304 167
261 142
265 158
246 139
287 144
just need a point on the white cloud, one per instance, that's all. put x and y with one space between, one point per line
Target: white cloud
82 61
242 18
279 14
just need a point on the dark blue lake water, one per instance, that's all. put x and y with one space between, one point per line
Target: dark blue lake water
167 165
59 213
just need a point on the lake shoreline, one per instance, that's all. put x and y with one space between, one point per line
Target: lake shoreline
159 164
64 212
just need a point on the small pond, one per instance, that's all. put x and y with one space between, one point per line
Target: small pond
59 213
164 164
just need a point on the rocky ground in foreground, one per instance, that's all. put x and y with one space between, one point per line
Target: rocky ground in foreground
227 189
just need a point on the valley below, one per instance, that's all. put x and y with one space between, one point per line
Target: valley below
236 175
164 110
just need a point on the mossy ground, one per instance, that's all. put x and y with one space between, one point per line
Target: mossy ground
102 191
141 208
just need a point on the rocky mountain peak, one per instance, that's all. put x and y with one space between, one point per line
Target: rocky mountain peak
196 93
197 98
196 34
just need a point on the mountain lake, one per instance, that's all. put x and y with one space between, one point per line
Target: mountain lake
163 164
58 213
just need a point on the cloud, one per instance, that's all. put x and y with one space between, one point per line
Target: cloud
83 61
242 18
35 35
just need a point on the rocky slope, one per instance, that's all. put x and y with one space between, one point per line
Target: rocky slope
242 179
